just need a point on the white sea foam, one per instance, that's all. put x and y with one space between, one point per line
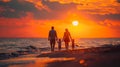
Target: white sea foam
19 43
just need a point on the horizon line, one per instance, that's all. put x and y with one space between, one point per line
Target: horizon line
75 38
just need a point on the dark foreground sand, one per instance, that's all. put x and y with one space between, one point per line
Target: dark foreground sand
108 56
92 57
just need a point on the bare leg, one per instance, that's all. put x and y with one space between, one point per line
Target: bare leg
66 45
59 47
51 45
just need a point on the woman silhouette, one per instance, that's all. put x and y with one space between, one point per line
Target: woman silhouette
67 38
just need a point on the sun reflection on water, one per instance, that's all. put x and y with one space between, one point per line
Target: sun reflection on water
32 62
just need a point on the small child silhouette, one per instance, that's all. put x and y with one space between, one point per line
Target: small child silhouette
73 44
59 44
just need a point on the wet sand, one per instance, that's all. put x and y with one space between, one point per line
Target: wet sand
91 57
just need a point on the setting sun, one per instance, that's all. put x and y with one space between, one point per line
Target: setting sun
75 23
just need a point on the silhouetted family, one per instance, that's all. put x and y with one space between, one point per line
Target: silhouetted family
52 37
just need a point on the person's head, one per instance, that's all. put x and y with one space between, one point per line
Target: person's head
59 39
52 27
66 29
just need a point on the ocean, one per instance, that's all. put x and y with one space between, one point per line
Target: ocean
18 44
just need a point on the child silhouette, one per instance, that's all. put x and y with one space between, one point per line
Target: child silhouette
59 44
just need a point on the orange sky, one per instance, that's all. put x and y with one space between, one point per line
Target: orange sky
34 18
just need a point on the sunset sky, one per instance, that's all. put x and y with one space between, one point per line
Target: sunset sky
34 18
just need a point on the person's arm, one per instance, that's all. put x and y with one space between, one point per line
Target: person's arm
70 36
56 35
49 36
63 36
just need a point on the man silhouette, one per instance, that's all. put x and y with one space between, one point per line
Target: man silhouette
52 37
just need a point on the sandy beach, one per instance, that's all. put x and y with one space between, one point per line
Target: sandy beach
91 57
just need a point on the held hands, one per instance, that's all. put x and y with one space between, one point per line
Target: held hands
56 39
48 39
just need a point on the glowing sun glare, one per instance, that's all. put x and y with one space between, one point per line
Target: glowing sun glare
75 23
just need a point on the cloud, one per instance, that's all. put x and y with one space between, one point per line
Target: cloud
15 23
20 8
94 6
112 23
56 6
118 1
57 9
5 0
2 9
20 27
16 9
38 4
39 8
97 18
68 1
101 7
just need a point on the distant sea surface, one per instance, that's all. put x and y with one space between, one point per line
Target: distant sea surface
16 44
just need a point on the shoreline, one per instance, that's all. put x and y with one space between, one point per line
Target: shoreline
12 54
106 56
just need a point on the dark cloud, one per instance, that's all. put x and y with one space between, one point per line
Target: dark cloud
104 17
113 16
56 6
19 9
118 1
